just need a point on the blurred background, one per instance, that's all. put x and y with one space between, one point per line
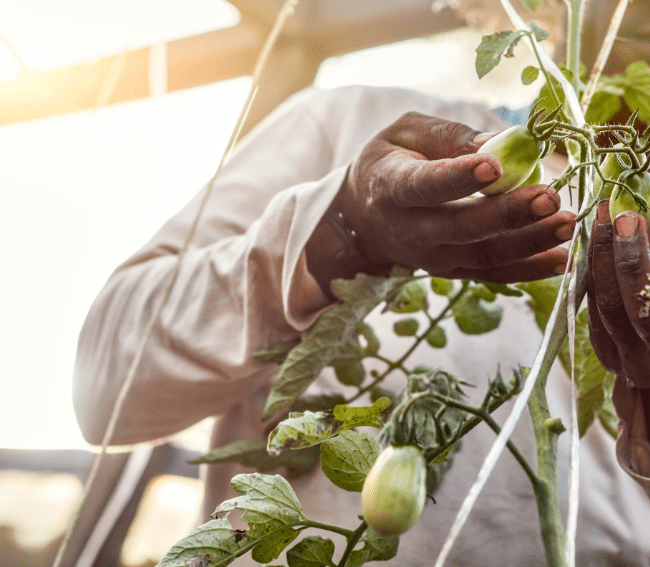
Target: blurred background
112 116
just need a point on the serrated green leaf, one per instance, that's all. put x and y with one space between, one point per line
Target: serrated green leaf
529 75
346 457
276 353
311 551
608 419
482 291
542 298
406 327
533 4
273 541
366 416
325 401
492 47
375 548
321 343
411 299
381 392
210 545
351 374
539 33
301 430
436 337
637 88
474 316
265 498
441 286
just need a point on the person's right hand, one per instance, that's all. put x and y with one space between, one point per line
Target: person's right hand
403 197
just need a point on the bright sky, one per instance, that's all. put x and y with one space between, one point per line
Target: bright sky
82 191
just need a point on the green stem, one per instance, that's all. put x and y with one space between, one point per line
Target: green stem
399 363
336 529
547 431
549 82
483 415
574 8
352 542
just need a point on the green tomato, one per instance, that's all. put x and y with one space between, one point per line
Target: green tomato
518 151
395 490
639 183
611 170
535 177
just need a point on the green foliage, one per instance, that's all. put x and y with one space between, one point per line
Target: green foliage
406 327
492 47
375 548
253 453
306 429
328 337
436 337
312 551
351 373
413 298
475 313
441 286
529 75
346 457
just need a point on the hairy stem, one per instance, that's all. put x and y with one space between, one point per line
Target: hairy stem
352 541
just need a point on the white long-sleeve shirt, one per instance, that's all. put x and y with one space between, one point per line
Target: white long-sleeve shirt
244 285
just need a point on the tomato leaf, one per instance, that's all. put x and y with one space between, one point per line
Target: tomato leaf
539 33
375 548
406 327
276 353
327 337
637 88
492 47
367 416
210 544
412 298
441 286
475 316
311 551
346 457
529 75
273 541
437 337
265 498
351 373
301 430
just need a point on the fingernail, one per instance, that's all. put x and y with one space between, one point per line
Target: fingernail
626 226
483 137
603 211
564 232
560 268
543 206
484 172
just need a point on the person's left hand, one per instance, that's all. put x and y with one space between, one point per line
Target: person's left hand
618 269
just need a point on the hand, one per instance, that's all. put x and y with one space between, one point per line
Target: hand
618 268
404 198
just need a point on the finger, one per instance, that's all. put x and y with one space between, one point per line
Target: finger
434 138
539 267
632 257
602 343
473 220
407 180
606 291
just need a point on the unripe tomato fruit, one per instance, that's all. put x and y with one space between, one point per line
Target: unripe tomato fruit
611 170
395 490
639 183
535 177
518 151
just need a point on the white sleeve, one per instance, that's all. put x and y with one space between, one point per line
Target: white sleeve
242 285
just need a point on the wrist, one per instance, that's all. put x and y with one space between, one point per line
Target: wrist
333 252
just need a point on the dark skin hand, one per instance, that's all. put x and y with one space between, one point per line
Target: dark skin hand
403 196
619 264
